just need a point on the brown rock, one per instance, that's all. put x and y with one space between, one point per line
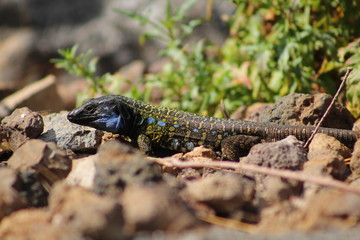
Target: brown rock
329 209
189 174
45 159
85 212
155 207
272 190
326 157
10 197
327 165
355 159
322 143
34 224
250 113
200 154
22 125
224 193
25 120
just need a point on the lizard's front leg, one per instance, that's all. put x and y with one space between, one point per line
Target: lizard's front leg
144 144
234 147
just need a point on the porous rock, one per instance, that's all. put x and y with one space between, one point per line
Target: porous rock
322 143
34 224
118 165
272 190
285 154
67 135
10 197
189 174
327 165
224 193
326 157
328 209
85 212
253 112
155 207
307 110
22 125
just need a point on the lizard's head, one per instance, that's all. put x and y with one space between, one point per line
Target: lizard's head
106 113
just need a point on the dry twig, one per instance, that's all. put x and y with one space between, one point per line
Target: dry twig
299 176
348 71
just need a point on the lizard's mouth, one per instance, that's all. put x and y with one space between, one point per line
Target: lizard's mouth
74 117
112 123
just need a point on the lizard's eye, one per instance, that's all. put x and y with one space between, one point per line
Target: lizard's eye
89 109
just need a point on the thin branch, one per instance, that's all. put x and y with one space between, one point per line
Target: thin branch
299 176
223 110
348 71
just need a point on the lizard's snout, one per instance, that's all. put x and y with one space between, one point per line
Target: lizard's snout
71 116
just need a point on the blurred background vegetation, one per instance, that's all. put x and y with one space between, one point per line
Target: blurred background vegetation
273 48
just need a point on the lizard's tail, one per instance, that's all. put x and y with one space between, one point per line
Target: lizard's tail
347 137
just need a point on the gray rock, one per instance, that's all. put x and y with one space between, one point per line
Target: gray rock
10 197
224 193
156 207
288 153
307 110
119 165
85 212
67 135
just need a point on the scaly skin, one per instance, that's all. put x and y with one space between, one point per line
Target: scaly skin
151 126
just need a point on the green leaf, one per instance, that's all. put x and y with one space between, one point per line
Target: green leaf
184 8
142 19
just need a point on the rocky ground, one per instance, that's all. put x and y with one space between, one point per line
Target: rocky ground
64 181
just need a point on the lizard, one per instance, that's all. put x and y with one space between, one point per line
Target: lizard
152 127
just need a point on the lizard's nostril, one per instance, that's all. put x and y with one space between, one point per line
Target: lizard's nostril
70 115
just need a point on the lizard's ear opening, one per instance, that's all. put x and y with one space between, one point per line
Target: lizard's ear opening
117 111
124 112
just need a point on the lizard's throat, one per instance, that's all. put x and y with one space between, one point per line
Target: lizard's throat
113 123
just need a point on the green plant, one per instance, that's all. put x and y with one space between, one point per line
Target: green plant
84 65
291 46
275 47
350 56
